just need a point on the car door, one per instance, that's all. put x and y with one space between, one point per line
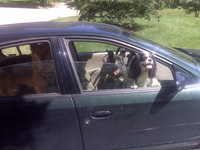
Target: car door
163 117
31 120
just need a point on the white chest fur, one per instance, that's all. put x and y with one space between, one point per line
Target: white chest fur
143 80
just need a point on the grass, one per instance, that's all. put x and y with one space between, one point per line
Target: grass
73 18
175 28
93 47
19 3
24 3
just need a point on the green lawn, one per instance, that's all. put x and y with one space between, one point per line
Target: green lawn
19 3
24 3
175 29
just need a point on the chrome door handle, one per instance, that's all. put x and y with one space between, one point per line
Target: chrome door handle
101 114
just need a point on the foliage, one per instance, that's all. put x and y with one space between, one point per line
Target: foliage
118 12
28 3
19 3
46 3
192 6
172 3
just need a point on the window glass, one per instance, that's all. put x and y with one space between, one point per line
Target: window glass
30 70
12 51
25 49
103 66
17 50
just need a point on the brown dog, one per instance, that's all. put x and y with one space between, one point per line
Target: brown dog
13 79
40 51
39 54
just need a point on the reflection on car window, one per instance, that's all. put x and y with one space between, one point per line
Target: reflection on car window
102 66
17 50
31 71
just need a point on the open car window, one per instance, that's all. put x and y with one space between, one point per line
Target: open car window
93 47
105 66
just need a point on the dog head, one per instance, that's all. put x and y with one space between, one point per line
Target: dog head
112 71
40 51
146 61
118 62
42 60
143 62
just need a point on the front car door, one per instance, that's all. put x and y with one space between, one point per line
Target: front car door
31 119
118 117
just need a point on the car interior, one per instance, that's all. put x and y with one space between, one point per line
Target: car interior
17 60
92 66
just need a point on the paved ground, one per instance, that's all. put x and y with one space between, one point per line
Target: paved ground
19 15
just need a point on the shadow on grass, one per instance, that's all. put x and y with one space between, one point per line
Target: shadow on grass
135 27
132 26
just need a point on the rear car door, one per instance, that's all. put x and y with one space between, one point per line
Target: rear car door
32 119
122 118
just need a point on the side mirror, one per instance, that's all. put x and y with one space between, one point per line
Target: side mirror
181 80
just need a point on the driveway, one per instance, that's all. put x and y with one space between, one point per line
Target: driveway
19 15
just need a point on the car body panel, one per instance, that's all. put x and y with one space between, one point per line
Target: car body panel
42 122
153 117
46 121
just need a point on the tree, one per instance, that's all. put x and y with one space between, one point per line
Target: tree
44 3
118 12
171 3
192 6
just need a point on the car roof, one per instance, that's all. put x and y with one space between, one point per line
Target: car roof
23 31
43 29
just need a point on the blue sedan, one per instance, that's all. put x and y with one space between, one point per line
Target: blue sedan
90 86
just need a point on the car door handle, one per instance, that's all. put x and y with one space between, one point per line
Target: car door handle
101 114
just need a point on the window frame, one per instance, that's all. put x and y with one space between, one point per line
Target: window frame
52 41
117 43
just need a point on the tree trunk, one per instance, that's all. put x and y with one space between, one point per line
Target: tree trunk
197 13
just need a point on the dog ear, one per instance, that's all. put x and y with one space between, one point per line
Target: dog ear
33 46
135 69
110 56
152 72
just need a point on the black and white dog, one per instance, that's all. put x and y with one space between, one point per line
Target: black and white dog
142 70
112 71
